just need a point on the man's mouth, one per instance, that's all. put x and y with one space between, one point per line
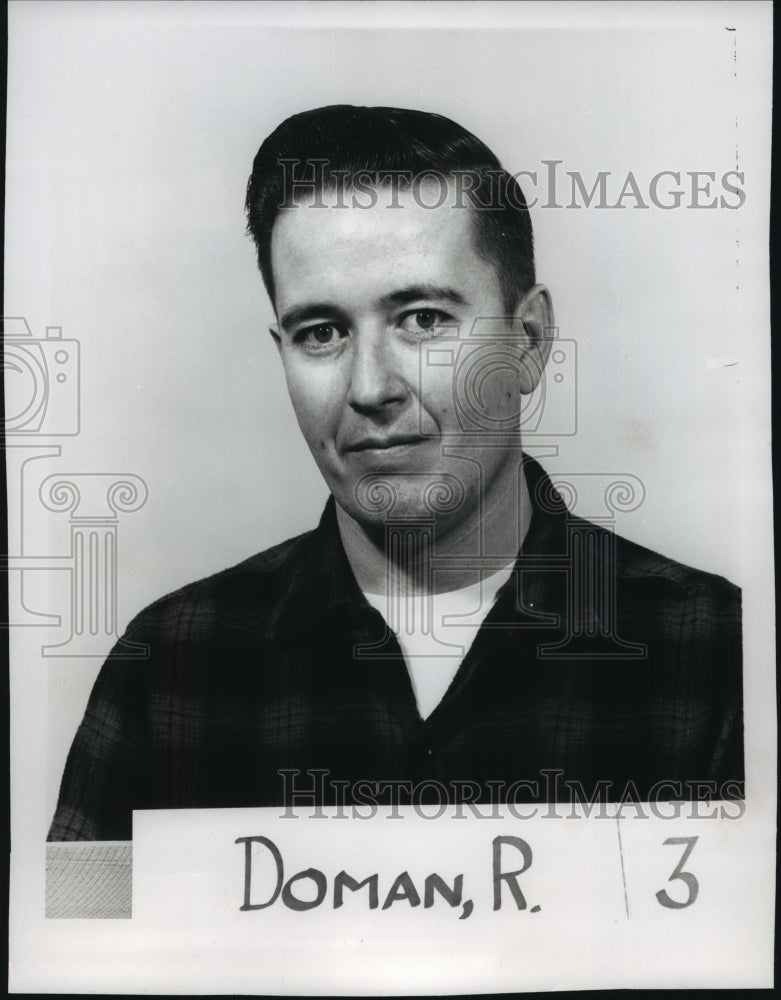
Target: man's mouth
392 442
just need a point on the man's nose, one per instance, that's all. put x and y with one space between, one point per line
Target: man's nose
375 381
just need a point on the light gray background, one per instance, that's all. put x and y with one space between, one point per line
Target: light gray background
131 135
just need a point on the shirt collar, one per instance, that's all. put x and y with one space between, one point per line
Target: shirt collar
317 580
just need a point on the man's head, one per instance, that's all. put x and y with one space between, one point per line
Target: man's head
330 148
408 321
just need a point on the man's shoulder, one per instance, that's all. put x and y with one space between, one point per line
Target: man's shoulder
255 584
634 567
652 571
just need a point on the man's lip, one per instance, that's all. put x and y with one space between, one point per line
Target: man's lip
384 444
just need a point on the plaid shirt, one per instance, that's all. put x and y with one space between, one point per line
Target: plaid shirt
601 669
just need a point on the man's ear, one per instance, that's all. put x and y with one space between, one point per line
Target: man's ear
534 320
274 331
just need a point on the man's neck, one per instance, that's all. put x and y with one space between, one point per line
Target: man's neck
496 534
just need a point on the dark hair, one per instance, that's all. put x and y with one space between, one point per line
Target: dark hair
342 141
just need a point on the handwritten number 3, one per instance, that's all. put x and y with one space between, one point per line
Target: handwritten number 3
691 882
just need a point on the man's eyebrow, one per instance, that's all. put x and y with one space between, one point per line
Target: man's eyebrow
402 296
312 310
416 293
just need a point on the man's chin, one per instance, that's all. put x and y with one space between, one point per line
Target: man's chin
385 496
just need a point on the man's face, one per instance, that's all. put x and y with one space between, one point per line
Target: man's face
362 297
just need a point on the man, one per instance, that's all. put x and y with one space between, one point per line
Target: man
450 630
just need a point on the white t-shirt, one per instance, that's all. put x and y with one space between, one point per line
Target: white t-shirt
435 632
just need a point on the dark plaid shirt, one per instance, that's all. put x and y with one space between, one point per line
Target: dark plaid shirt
603 669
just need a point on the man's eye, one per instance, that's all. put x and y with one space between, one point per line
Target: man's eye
423 320
322 335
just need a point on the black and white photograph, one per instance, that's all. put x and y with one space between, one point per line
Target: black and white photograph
389 491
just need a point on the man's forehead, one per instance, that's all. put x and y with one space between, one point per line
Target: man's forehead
396 231
428 203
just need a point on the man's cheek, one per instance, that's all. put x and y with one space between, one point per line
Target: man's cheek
315 418
499 395
435 399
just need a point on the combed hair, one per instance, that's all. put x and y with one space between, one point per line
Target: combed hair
342 141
